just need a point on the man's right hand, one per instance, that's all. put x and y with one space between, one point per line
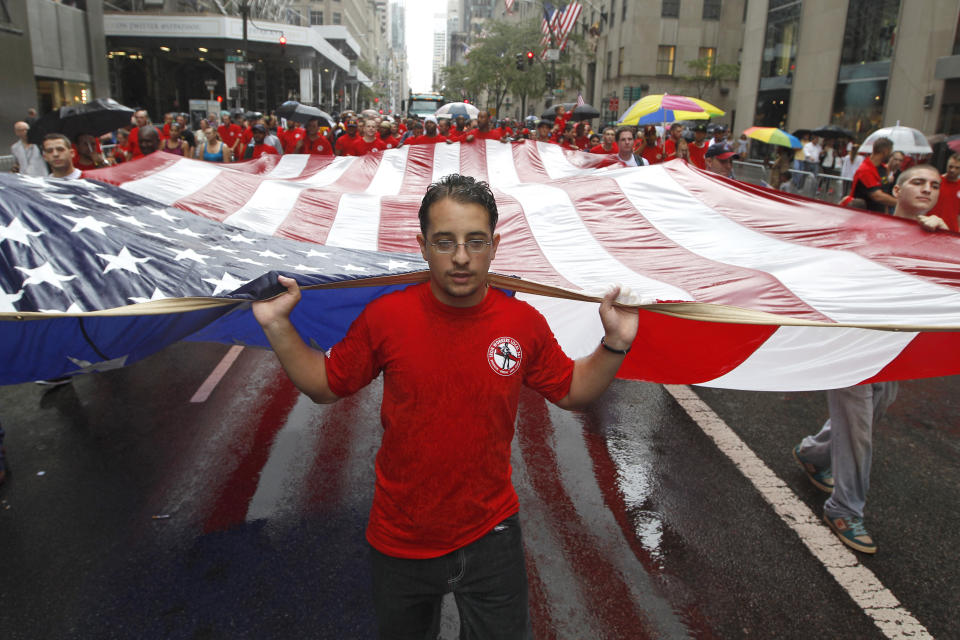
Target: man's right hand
269 312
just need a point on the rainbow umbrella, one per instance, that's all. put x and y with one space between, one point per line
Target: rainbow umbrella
663 108
772 135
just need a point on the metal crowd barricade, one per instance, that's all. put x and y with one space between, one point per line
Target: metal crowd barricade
7 163
751 172
823 186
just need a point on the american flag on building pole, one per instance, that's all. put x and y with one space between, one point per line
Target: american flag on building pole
509 5
566 21
580 100
548 25
741 287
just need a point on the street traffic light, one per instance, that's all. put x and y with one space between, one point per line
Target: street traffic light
529 59
283 46
220 99
520 63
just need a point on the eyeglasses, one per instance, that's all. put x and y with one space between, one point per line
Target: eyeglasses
449 246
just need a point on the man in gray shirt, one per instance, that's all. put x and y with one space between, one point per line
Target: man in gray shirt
29 157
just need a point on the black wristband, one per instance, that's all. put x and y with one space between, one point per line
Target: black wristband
621 352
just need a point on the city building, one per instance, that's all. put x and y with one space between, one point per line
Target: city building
439 49
54 54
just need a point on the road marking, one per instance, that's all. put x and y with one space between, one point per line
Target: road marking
863 586
216 375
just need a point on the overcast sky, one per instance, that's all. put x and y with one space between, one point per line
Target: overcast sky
419 36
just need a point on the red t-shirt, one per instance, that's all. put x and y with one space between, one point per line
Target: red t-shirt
599 149
671 148
389 142
492 134
344 143
290 137
866 180
948 203
319 146
450 401
653 155
229 134
425 139
698 155
258 150
361 147
582 142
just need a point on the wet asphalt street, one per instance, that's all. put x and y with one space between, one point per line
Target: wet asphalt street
132 512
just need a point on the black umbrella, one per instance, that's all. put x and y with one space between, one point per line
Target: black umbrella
584 112
293 110
101 116
833 131
799 133
550 115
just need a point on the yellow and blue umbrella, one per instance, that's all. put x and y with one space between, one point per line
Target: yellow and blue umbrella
772 135
663 108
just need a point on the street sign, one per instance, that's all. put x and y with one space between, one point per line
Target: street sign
552 55
234 58
558 92
244 66
210 84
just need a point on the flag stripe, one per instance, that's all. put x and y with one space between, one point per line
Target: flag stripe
268 207
290 166
169 184
218 199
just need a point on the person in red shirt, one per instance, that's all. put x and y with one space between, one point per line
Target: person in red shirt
698 148
385 135
345 142
543 131
369 141
676 135
445 130
314 142
291 136
569 138
652 152
452 346
431 134
257 148
140 119
229 133
608 143
948 205
581 139
868 179
149 141
482 131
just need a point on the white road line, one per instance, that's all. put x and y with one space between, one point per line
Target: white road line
863 586
216 375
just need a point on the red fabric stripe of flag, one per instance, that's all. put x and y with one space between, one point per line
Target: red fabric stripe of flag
566 22
779 292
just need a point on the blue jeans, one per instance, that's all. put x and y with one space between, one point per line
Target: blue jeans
488 579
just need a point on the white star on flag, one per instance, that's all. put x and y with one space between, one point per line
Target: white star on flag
352 267
313 253
162 213
66 202
123 260
226 283
395 264
190 254
7 300
224 249
16 232
156 295
131 220
188 233
239 238
73 308
107 200
44 274
249 261
88 222
270 254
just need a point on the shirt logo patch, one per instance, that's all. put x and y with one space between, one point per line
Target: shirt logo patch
504 356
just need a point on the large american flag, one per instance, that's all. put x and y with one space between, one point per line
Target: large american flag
559 22
741 287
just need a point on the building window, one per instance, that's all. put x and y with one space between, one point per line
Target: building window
858 105
772 108
780 43
665 59
870 31
609 63
316 17
336 18
620 63
670 9
711 9
613 4
710 55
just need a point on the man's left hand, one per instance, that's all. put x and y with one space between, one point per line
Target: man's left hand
619 323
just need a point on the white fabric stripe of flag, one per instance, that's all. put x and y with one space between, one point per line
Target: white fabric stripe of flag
838 284
567 20
267 208
389 175
501 169
357 225
331 173
574 252
446 160
556 164
813 358
175 182
291 165
575 323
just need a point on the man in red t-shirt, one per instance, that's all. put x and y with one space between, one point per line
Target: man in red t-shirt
483 131
291 136
868 179
229 133
386 136
948 205
431 134
314 143
609 142
257 148
676 134
652 152
368 141
344 143
698 148
454 354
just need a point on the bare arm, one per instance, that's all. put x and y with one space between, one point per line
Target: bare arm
880 197
594 373
306 367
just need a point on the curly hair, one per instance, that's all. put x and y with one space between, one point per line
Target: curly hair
462 189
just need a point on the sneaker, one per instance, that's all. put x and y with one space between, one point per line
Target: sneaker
852 533
821 477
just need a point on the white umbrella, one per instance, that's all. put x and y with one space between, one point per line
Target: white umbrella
905 139
454 109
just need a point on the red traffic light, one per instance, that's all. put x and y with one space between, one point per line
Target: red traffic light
529 55
219 98
283 39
